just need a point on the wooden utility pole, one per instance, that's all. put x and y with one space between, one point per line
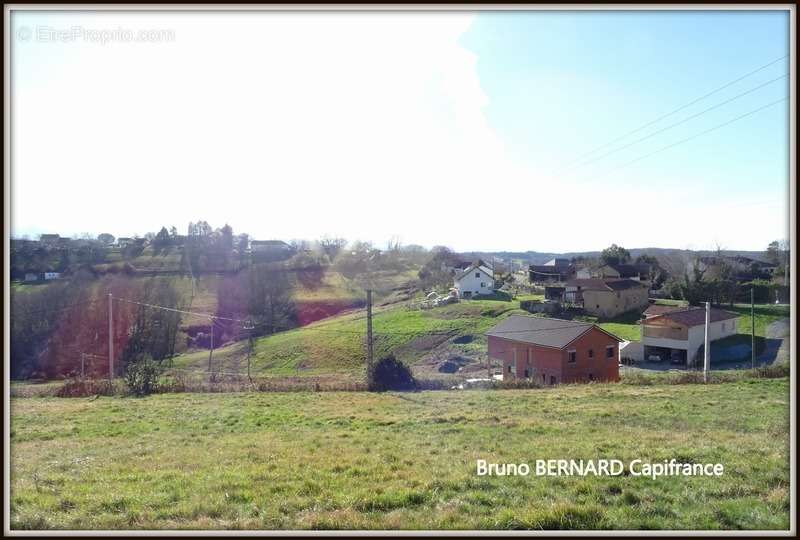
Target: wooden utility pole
369 330
752 327
707 349
110 338
211 350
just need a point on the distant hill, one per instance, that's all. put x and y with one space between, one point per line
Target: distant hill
673 260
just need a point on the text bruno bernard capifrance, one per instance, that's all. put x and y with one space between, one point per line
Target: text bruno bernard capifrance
599 467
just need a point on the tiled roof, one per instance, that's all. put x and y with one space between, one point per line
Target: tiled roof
695 316
599 284
542 331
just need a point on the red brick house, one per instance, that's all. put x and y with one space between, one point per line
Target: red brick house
553 351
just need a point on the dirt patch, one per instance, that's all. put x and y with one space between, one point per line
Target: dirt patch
452 364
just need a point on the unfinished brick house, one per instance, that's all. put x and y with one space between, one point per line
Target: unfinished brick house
553 351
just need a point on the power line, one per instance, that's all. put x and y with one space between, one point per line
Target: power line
653 134
674 111
694 136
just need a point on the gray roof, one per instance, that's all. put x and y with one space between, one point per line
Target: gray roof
542 331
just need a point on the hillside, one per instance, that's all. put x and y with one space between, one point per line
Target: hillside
673 260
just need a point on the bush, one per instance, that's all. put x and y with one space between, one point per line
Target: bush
85 388
141 375
389 373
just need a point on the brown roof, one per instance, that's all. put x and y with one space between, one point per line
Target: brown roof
556 333
656 309
599 284
696 316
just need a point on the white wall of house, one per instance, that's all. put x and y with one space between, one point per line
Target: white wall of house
477 281
583 273
52 275
717 330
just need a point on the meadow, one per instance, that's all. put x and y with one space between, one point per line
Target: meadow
331 460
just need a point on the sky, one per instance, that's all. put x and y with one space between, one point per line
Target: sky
490 131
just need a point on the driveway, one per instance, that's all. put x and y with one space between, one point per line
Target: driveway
777 348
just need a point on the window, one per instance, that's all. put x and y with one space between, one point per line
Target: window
610 351
597 306
552 380
591 353
483 285
527 373
477 274
509 368
572 356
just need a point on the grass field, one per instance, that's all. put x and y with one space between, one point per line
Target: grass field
307 460
336 345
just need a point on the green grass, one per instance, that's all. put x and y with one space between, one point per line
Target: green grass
765 314
336 345
400 461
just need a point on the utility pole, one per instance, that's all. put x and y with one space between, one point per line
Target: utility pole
752 327
211 350
369 330
110 338
707 349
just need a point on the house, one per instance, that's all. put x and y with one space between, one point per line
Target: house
553 351
606 297
638 272
52 275
270 250
744 268
678 334
477 279
30 276
124 242
559 271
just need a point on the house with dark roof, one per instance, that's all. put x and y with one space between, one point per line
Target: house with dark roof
553 351
606 297
270 250
559 271
475 280
678 333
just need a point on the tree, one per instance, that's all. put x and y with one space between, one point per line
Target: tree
106 238
657 275
615 255
332 246
162 238
774 252
226 237
270 303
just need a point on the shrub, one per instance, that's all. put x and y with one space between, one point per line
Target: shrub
141 375
389 373
85 388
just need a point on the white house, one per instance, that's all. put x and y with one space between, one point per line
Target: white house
477 279
52 275
30 276
678 334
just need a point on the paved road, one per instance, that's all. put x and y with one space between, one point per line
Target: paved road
777 342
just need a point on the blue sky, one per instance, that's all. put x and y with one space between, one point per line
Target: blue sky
373 126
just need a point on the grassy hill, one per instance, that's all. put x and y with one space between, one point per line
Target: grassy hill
332 460
337 345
